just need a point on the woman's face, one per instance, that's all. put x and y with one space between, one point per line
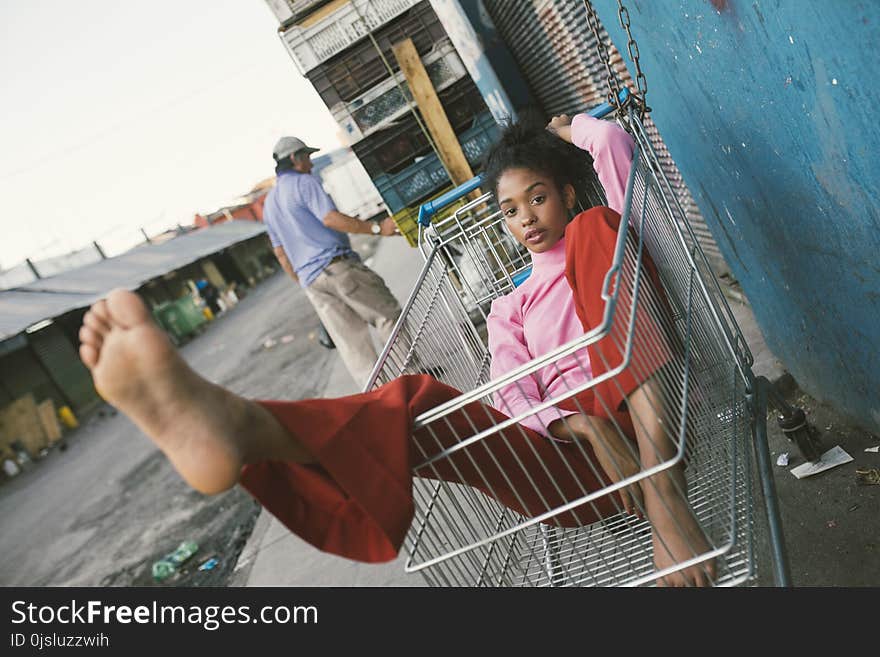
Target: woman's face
534 208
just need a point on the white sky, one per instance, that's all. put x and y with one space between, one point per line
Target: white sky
117 115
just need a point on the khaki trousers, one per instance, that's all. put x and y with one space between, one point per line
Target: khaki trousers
349 297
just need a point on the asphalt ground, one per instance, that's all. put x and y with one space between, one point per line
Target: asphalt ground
101 511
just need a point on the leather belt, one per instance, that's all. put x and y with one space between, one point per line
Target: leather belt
338 258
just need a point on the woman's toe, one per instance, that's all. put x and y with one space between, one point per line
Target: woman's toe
90 337
89 355
96 323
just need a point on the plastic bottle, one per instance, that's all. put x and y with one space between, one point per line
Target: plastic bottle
167 565
163 569
11 468
183 552
68 419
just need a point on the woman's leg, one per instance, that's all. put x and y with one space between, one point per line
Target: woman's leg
366 453
523 470
336 471
617 455
636 388
207 432
676 536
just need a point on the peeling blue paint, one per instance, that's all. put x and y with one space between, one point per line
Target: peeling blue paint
787 174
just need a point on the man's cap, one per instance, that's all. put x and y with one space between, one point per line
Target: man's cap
287 146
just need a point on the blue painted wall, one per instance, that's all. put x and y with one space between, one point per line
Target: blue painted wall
770 110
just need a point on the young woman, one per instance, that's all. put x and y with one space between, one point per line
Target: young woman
337 472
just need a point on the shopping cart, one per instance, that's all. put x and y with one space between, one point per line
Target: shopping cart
713 408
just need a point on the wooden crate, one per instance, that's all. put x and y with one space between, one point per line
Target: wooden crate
49 420
20 421
6 452
407 220
407 224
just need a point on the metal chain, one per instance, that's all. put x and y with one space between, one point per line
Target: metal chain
632 48
611 78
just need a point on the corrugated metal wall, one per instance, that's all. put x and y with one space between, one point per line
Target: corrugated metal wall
60 359
21 374
556 51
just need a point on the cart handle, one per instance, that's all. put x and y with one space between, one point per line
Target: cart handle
428 209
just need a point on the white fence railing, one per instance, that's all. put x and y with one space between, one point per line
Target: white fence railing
311 43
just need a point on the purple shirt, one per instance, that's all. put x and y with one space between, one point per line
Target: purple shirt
294 216
539 315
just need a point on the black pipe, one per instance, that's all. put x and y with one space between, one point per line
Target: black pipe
781 573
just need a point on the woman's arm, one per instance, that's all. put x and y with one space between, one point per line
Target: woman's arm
507 347
610 146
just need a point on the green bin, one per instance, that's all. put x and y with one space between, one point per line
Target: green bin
192 314
180 318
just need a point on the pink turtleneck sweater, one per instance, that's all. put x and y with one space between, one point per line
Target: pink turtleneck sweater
539 315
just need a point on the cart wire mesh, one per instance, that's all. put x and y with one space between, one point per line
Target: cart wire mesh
497 507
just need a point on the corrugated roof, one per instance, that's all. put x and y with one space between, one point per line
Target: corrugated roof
51 297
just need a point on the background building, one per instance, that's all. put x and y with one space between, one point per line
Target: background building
347 182
345 49
39 321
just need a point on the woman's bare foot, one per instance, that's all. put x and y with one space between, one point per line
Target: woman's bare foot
200 426
676 535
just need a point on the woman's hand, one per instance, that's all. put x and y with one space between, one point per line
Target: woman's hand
561 127
613 451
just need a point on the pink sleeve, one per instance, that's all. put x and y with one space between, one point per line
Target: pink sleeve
611 148
508 350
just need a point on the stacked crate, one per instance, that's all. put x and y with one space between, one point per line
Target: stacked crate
344 48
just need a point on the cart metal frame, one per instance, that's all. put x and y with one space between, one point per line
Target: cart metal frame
462 536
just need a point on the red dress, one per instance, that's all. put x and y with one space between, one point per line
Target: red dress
356 501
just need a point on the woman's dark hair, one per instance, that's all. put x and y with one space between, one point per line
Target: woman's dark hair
528 144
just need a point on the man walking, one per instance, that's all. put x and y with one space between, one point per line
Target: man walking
309 237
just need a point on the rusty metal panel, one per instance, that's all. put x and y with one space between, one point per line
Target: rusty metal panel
556 50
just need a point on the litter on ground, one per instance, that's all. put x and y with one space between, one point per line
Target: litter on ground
830 459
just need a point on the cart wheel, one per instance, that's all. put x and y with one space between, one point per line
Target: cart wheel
797 430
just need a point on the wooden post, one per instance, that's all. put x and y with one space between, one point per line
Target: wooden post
432 111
